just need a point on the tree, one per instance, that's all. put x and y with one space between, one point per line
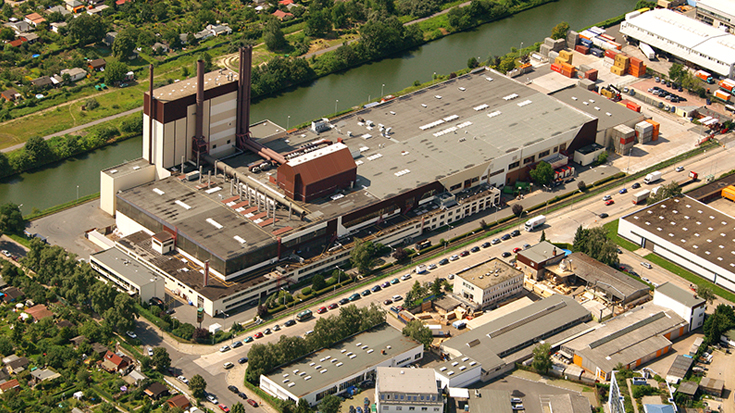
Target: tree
87 29
676 72
330 404
273 36
121 316
318 24
400 254
6 346
198 386
124 43
560 31
541 358
37 150
436 287
543 173
581 186
517 209
473 62
543 236
7 34
664 191
706 293
417 331
11 219
595 243
602 158
161 359
363 255
115 72
317 282
239 408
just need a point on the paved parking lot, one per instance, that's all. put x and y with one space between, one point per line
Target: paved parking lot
529 386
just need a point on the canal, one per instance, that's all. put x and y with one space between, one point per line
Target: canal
62 182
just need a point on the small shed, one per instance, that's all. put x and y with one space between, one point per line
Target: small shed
712 386
688 388
97 64
156 390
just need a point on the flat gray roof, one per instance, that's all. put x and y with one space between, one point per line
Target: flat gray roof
688 298
406 380
627 337
127 168
565 403
541 252
681 366
188 86
337 361
129 268
691 225
489 273
598 106
508 333
490 401
449 366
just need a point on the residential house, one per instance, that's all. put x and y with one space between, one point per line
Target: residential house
114 363
285 2
78 340
55 27
184 38
15 364
64 324
100 349
17 42
9 385
159 47
19 26
11 294
179 401
110 38
4 374
11 95
219 29
283 15
134 377
97 10
75 74
97 64
34 19
39 376
74 6
204 34
121 2
58 9
39 312
28 37
42 82
156 390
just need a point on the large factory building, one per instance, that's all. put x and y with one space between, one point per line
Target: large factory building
264 207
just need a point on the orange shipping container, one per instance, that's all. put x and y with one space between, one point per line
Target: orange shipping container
611 53
591 74
722 95
634 106
729 193
566 66
556 67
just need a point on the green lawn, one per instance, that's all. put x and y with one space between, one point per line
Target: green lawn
694 279
612 233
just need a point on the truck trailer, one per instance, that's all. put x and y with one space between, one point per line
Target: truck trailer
641 196
647 51
535 222
652 177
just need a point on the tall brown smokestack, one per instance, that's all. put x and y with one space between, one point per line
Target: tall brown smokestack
206 272
243 95
151 112
199 125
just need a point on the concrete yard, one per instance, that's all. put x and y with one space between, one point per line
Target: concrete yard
721 368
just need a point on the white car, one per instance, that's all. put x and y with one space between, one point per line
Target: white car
228 365
183 379
131 334
606 198
211 398
224 348
150 352
454 258
405 277
432 266
679 168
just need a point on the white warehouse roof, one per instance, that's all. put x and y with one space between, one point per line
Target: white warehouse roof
686 38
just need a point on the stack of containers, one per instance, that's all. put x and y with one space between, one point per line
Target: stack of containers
623 139
564 57
568 70
556 67
636 67
610 56
643 132
621 64
656 125
553 55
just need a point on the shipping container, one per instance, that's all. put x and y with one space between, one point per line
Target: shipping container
586 42
611 53
596 52
647 51
582 49
704 76
722 95
596 30
607 37
634 106
555 67
591 74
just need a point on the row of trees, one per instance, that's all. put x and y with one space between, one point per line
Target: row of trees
595 243
327 331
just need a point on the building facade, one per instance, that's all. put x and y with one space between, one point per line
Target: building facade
685 303
407 390
717 13
486 284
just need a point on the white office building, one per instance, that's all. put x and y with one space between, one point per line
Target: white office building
687 39
686 304
404 390
717 13
487 283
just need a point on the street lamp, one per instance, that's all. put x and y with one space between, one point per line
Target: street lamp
520 51
288 122
335 105
381 90
77 192
339 277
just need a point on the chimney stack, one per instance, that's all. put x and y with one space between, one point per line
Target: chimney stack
151 114
206 272
199 125
243 95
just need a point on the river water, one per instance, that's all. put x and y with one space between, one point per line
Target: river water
64 181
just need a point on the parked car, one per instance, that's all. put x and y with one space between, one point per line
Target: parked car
375 289
224 408
603 215
267 331
224 348
242 395
505 237
495 241
526 246
365 293
236 344
464 253
432 266
623 191
131 334
450 276
475 249
443 261
332 306
212 398
635 185
516 250
228 365
259 334
276 328
388 302
515 233
289 323
242 360
395 281
385 284
321 310
679 168
396 298
354 297
344 301
182 379
609 202
454 257
250 339
252 403
485 245
645 264
606 198
150 352
506 254
405 277
233 389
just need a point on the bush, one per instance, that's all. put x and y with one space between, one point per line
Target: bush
91 104
306 291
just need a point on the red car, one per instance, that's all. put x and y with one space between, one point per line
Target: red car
224 408
252 403
464 253
321 310
609 202
332 306
516 249
258 335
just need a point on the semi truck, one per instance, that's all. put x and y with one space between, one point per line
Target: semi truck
641 196
535 222
704 76
652 177
647 51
